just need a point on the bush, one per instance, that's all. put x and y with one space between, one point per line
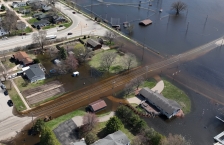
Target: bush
36 60
84 37
113 125
90 138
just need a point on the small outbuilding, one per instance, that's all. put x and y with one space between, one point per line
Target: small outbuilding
97 105
93 44
145 22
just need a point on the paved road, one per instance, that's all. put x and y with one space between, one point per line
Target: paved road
80 25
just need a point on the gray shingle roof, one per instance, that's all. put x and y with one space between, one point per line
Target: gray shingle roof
159 100
116 138
34 70
41 22
93 43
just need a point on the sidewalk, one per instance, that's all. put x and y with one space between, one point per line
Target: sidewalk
17 90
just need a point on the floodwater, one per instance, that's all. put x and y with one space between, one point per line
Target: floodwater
170 35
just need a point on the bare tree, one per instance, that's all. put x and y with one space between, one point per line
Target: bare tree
137 81
178 6
21 25
128 88
110 36
4 74
9 21
35 6
71 62
107 59
129 60
40 38
82 53
91 120
130 29
175 140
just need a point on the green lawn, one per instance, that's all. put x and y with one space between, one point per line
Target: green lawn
18 103
137 107
55 122
22 85
6 62
174 93
68 24
150 83
32 20
49 26
117 65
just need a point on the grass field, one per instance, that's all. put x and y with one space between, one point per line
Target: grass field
6 62
18 103
55 122
174 93
32 20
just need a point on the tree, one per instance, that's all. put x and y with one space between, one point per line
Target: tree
110 36
91 120
35 6
38 126
128 88
107 59
40 38
137 81
139 126
133 120
178 6
21 25
9 21
113 125
130 29
82 53
90 138
123 112
175 140
129 60
62 53
71 62
3 8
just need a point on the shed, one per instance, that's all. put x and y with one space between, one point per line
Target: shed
93 44
145 22
57 62
97 105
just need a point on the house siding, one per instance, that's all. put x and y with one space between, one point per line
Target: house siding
37 78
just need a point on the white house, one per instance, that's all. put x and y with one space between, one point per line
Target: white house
18 4
2 32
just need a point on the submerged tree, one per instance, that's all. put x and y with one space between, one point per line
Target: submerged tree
40 38
178 6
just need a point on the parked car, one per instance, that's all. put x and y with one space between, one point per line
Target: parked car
10 103
61 26
69 33
3 86
6 93
22 34
4 38
73 12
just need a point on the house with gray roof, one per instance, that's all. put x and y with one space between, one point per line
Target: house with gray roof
167 107
34 73
93 44
116 138
41 23
18 4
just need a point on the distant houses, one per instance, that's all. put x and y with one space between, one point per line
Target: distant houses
41 23
167 107
18 4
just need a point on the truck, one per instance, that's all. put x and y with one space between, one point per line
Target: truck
51 37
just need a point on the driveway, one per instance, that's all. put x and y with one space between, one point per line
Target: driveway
5 110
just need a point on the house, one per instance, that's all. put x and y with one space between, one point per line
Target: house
116 138
34 73
46 16
29 2
145 22
18 4
22 58
41 23
167 107
2 32
36 15
58 19
93 44
97 105
25 11
46 8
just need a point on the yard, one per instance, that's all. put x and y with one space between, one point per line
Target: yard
32 20
7 63
138 107
24 85
174 93
18 103
117 65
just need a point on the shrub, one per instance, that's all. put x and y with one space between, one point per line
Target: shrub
90 138
113 125
84 37
36 60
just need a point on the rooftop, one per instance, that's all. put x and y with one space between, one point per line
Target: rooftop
97 105
34 71
145 22
23 57
93 43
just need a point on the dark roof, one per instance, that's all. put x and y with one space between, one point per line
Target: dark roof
47 8
160 101
145 22
116 138
23 57
97 105
33 71
41 22
93 43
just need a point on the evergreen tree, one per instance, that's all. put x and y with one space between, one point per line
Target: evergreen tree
113 125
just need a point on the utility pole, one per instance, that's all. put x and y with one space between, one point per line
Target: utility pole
143 48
